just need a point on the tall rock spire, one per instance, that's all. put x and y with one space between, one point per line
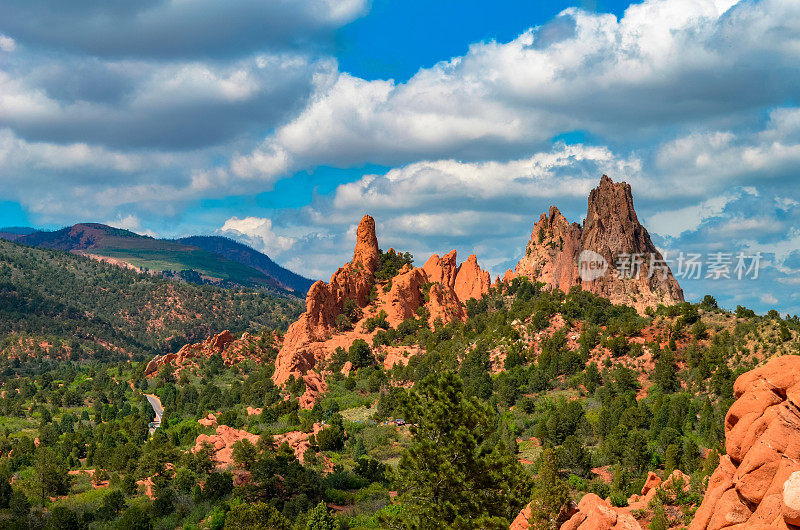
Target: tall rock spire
366 252
611 231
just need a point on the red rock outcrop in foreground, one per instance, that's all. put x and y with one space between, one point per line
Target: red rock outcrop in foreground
593 513
232 351
221 443
611 229
757 483
440 286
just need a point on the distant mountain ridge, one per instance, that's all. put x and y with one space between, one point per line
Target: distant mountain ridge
198 259
241 253
12 233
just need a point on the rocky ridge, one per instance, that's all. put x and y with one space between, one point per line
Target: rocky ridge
232 351
611 230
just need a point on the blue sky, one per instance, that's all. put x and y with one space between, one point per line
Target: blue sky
455 124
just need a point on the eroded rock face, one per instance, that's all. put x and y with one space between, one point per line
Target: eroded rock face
324 302
471 281
442 270
221 444
366 252
611 230
551 254
406 295
231 350
314 336
757 483
315 387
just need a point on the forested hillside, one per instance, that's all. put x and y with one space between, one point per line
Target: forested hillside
61 304
239 253
539 395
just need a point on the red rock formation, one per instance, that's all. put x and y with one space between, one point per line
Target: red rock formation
757 483
222 443
299 441
471 281
315 387
653 484
442 270
521 521
324 303
366 252
649 490
444 306
232 351
406 295
593 513
611 230
208 421
314 337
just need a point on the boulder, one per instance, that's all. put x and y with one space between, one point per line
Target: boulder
757 483
596 514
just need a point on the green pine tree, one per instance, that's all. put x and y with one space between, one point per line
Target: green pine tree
447 479
319 518
550 494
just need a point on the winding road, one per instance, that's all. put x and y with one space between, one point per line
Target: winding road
157 408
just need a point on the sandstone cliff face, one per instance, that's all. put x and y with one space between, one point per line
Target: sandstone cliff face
757 483
611 230
551 254
442 270
440 287
471 281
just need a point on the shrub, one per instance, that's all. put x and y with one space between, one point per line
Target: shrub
378 321
218 485
258 515
350 314
618 346
360 354
390 264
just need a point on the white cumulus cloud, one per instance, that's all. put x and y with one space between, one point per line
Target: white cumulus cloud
258 232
